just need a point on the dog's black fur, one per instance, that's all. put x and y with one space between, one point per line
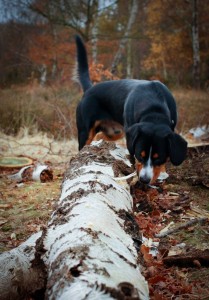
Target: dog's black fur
146 109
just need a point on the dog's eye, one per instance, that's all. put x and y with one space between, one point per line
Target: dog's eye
143 154
158 161
139 158
155 155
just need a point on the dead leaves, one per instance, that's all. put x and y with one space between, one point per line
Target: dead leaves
157 212
164 283
99 73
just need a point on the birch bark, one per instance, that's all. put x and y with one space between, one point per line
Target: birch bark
195 44
124 40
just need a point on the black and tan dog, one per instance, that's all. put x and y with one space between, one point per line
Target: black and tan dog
145 109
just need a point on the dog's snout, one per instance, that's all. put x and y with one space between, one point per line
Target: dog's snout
145 179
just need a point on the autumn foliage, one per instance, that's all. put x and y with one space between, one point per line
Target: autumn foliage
98 73
159 44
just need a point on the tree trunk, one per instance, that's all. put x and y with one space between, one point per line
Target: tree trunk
195 44
129 60
43 71
87 250
94 32
132 17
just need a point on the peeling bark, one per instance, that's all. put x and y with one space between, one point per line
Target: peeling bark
91 256
89 250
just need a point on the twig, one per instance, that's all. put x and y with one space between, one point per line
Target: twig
197 258
182 226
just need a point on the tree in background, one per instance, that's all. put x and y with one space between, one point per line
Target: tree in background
125 39
141 39
177 38
195 44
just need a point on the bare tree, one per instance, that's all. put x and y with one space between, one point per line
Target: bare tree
95 32
195 44
124 40
77 15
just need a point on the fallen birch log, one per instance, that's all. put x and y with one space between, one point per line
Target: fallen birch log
88 251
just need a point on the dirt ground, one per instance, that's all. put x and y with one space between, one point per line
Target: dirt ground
179 268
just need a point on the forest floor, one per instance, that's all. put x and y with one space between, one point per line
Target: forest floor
180 267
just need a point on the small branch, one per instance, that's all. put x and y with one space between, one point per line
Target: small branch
182 226
197 259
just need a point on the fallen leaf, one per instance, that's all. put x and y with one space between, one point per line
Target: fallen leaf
5 206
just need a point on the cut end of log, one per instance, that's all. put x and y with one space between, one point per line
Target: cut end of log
42 173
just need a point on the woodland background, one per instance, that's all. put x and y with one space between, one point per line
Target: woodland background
142 39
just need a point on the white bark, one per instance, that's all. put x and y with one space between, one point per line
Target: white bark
124 40
88 251
195 43
33 172
129 60
43 76
90 255
94 32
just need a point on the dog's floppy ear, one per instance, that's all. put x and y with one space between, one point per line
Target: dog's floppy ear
132 134
177 148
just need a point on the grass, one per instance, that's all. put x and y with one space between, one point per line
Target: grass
193 108
47 109
52 109
28 209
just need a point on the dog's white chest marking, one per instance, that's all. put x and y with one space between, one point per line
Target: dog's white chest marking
146 172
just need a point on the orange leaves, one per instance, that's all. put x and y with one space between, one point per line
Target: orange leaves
163 282
147 223
52 49
154 210
99 73
148 258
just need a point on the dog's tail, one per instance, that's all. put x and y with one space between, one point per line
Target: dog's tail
82 64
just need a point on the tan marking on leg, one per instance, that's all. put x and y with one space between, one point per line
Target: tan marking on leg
91 136
100 136
107 129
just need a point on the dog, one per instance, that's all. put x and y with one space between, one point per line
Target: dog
145 109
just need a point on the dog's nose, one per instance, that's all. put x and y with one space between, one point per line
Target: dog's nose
145 179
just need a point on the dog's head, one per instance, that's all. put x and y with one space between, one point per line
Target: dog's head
151 146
